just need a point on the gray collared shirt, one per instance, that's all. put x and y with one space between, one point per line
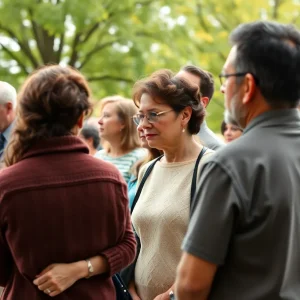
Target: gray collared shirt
246 212
208 138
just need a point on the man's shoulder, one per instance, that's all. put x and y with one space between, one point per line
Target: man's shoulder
233 153
209 138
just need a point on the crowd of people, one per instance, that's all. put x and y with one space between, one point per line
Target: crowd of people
152 196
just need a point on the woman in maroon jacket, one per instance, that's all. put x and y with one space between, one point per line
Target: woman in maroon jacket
57 203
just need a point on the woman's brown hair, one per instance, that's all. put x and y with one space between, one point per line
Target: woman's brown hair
126 110
175 92
49 105
152 154
224 124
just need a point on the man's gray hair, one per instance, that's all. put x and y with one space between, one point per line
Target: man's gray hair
7 94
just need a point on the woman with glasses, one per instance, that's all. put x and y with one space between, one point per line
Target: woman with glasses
121 145
170 113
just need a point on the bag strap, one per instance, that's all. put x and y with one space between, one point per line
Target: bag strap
194 180
146 175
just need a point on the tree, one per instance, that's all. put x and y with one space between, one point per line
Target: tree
116 42
213 20
109 41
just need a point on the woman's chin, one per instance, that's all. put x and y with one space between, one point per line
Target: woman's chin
153 144
144 144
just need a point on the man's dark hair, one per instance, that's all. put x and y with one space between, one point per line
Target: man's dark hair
207 86
271 53
89 131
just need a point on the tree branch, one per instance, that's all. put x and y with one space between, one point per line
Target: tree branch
90 32
50 56
60 48
201 19
110 77
15 57
221 55
224 25
37 35
96 49
25 48
74 55
112 14
277 4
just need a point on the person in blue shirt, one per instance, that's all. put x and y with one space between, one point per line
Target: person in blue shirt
120 141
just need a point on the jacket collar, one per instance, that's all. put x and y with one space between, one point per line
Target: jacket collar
56 145
280 117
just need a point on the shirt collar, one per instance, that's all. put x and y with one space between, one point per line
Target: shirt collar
203 125
273 118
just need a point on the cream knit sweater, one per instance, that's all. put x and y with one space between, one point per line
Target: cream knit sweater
161 218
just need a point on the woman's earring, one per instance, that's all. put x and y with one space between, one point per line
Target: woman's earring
183 130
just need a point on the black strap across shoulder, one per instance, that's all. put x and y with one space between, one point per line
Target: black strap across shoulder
194 180
150 168
146 175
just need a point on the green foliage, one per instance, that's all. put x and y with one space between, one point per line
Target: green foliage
211 26
116 42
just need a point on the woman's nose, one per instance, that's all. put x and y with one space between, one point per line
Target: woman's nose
144 123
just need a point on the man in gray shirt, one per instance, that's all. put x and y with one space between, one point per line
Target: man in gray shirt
243 240
205 81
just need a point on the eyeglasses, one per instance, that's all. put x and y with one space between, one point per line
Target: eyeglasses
151 116
221 76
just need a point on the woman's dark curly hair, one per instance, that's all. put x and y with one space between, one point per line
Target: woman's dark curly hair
49 105
164 87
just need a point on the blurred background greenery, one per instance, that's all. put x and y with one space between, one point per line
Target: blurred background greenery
115 42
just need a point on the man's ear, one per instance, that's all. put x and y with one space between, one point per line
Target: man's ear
80 121
249 88
205 101
9 107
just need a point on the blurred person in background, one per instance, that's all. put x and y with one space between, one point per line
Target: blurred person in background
231 131
57 203
90 135
8 103
205 81
120 141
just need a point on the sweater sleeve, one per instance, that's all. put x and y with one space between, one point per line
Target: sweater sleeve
5 260
121 255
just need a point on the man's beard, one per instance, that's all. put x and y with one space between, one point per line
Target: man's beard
236 113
